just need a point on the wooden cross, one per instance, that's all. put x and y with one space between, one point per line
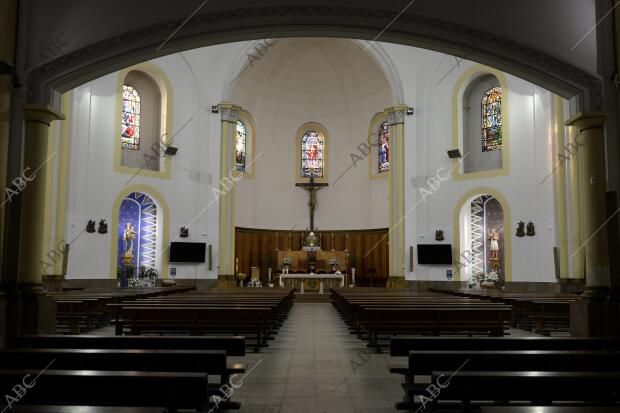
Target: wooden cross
312 187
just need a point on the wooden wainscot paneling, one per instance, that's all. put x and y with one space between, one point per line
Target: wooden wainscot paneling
260 247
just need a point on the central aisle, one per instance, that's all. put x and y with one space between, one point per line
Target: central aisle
316 366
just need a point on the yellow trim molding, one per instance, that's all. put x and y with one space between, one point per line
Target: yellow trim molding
165 88
457 122
66 106
456 228
164 225
311 127
373 127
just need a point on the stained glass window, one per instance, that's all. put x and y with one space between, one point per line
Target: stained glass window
130 119
492 120
384 147
312 151
240 146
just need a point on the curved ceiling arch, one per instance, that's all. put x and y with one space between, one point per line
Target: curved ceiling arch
252 22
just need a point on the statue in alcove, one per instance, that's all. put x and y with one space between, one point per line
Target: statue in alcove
129 234
494 247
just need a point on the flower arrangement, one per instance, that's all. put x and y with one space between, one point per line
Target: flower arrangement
149 273
254 283
287 261
492 276
334 261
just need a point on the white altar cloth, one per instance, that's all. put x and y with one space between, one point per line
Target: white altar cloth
319 277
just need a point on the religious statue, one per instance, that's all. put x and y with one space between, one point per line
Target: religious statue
103 227
521 229
494 238
530 229
90 227
129 234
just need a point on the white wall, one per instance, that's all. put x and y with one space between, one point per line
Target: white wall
529 120
349 88
93 184
330 81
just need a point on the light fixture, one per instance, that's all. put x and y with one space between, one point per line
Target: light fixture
215 109
410 111
454 153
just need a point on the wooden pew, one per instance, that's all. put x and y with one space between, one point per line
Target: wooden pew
401 346
21 408
233 345
112 388
540 387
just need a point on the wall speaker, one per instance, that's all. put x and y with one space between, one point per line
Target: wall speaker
210 257
410 258
556 262
65 259
454 154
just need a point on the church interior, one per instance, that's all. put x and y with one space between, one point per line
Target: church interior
292 206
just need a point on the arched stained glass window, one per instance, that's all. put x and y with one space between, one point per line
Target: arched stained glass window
240 146
312 151
130 119
492 120
383 147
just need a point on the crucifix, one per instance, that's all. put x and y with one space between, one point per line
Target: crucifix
312 188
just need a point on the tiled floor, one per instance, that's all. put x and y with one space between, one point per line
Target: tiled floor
316 366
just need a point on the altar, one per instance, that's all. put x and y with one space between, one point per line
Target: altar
305 277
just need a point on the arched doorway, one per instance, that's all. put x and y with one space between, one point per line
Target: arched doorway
482 236
140 220
137 231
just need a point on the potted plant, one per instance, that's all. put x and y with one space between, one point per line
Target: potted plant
269 262
147 276
353 261
476 280
490 279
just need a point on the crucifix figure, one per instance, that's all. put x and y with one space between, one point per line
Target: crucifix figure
312 188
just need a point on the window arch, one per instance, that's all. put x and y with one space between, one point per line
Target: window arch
383 146
240 146
130 118
492 119
312 154
480 101
144 116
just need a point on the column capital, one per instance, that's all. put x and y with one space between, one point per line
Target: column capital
396 114
586 120
41 114
230 112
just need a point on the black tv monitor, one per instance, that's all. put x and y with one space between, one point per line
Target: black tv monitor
435 254
187 251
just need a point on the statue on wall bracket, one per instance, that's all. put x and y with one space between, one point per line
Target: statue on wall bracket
90 227
103 227
521 229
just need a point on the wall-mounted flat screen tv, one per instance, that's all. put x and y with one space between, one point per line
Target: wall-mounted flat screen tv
187 251
435 254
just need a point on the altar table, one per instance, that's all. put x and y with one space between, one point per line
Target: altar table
319 277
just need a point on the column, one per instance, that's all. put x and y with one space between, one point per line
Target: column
230 115
589 315
576 258
396 122
38 120
560 187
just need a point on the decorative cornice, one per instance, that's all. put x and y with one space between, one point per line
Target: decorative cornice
332 20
